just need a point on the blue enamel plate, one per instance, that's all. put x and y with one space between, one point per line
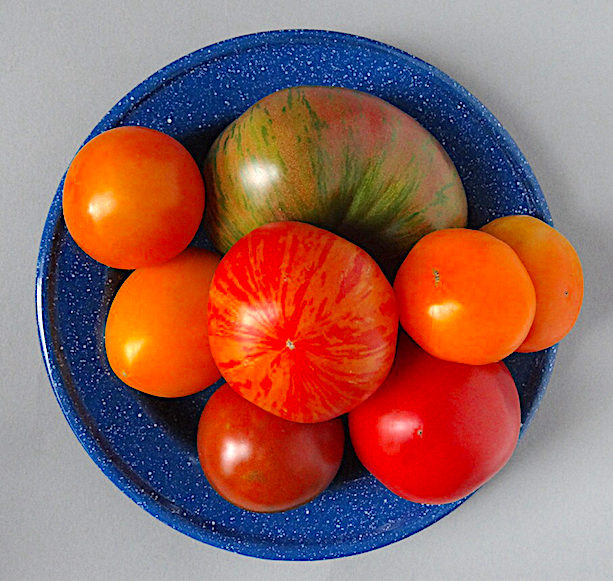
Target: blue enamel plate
146 445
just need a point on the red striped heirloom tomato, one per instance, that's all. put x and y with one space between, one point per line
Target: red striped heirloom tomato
301 322
337 158
436 430
261 462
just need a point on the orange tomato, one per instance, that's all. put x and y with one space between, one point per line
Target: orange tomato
133 197
555 270
465 296
156 332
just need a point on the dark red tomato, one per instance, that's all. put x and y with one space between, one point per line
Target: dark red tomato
261 462
436 430
301 322
133 197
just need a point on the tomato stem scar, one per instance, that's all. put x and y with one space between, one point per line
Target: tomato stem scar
290 345
437 278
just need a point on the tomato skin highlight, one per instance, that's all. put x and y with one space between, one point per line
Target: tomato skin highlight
301 322
133 197
436 430
555 269
465 296
156 335
261 462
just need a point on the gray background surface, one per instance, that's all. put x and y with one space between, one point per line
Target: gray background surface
543 68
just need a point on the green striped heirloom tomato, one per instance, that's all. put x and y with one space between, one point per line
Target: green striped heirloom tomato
302 322
337 158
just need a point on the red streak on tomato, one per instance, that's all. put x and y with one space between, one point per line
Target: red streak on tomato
301 322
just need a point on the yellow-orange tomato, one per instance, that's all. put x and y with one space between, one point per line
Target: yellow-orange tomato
465 296
133 197
555 270
156 332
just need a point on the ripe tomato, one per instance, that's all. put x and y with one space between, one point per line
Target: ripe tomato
465 296
133 197
337 158
555 270
301 322
156 332
436 430
261 462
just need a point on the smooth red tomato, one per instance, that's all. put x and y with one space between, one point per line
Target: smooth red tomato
465 296
301 322
436 430
261 462
133 197
555 270
156 332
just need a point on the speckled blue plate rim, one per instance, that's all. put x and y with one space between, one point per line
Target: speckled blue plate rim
93 441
